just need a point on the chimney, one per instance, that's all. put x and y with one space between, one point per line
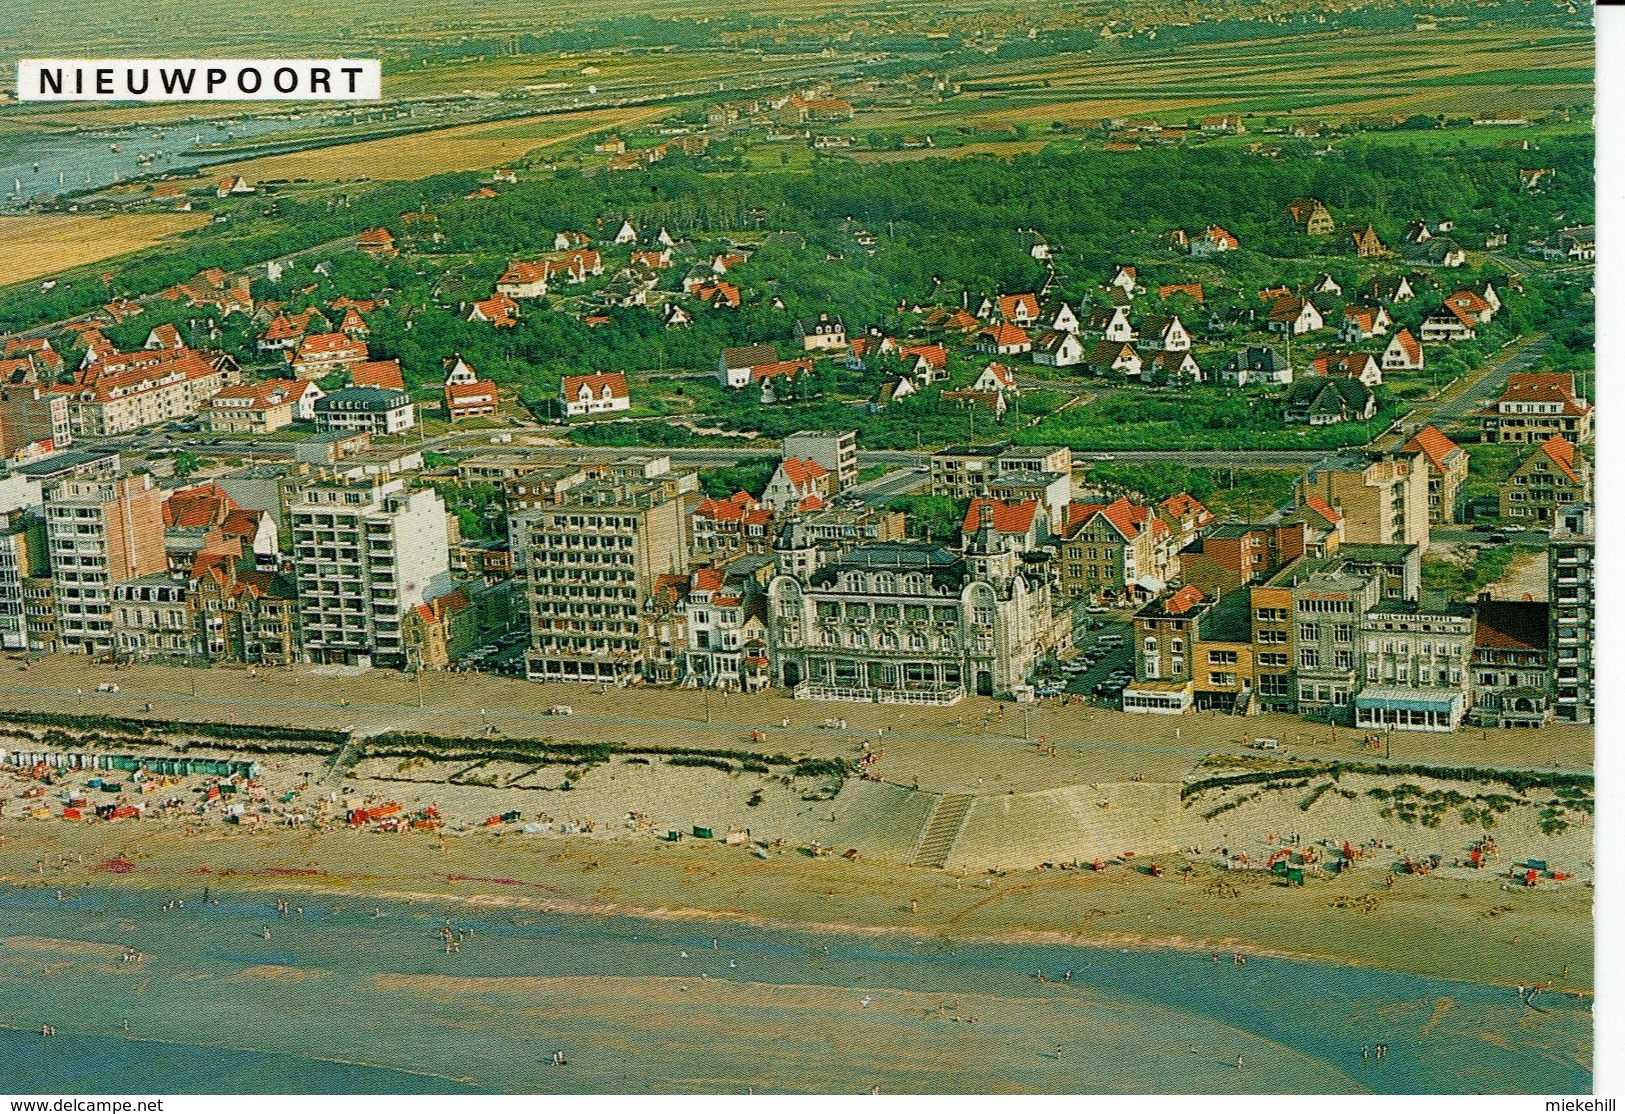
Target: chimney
986 517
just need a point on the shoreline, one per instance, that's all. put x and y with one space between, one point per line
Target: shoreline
415 888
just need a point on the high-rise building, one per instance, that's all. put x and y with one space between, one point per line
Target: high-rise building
364 555
100 532
590 559
1570 571
22 555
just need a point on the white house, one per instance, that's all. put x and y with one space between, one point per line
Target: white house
602 393
1165 334
1058 349
1404 353
627 234
997 377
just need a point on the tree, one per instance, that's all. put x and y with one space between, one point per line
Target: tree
186 463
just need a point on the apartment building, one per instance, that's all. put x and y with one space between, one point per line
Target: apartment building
1114 551
132 390
1382 497
591 559
22 556
1447 472
1551 479
380 411
836 451
1417 668
1005 471
1512 667
1165 636
1570 569
153 621
364 554
32 423
1328 604
99 532
1534 406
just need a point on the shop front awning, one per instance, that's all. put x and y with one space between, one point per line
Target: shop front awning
1398 699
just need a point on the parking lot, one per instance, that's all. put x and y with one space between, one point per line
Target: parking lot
1103 662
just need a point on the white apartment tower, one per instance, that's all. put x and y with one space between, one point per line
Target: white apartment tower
364 555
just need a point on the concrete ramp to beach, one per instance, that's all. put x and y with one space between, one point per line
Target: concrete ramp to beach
1084 822
881 821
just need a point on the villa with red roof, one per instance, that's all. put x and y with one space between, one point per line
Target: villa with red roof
1114 550
324 353
1404 353
1003 339
1024 522
1535 405
603 392
499 310
524 280
466 394
261 407
377 373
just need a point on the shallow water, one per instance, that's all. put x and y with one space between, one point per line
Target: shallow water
355 993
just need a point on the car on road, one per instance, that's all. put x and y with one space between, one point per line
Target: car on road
1095 609
1513 528
1075 667
1049 690
1499 539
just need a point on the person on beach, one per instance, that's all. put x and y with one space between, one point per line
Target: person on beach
1239 1062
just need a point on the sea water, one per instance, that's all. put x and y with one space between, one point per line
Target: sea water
359 996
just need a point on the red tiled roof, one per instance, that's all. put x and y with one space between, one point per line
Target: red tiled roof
1194 289
521 273
332 344
1512 625
934 354
1412 347
1561 453
1544 387
570 385
803 473
732 509
205 504
1003 333
1183 600
788 369
1012 305
378 373
1008 518
1186 505
1434 445
1323 509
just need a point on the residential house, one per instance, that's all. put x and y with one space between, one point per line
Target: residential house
1367 244
376 242
1347 365
1256 365
1111 324
926 363
1551 479
466 394
1213 241
1311 216
604 392
1171 367
261 407
1059 316
164 336
524 279
322 354
1114 551
1164 334
1003 339
1447 472
1535 405
734 366
1435 251
1363 322
1473 304
372 410
1108 356
1023 525
1186 518
798 485
818 336
1403 353
724 528
997 377
373 373
1316 400
727 637
499 311
1448 323
1056 348
1294 316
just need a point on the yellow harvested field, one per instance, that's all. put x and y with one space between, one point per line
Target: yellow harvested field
1014 147
47 245
465 147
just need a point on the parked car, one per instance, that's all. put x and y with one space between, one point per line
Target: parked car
1095 609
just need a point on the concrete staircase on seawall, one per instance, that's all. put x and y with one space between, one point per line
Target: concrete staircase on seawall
942 830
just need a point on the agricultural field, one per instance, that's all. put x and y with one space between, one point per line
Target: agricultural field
465 147
50 243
